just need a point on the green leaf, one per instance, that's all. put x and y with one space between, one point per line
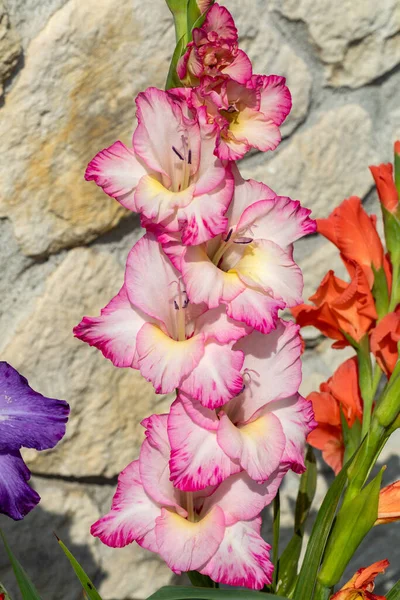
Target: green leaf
289 559
86 583
172 78
354 520
394 593
189 593
319 537
28 590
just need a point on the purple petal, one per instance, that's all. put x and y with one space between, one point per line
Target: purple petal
26 417
17 498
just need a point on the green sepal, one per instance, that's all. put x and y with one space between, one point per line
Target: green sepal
397 172
289 560
380 292
173 80
199 593
194 17
86 583
392 234
178 9
354 520
388 408
27 588
351 436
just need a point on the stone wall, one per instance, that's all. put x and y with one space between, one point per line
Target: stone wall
69 72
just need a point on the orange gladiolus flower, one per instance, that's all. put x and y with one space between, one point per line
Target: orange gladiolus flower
354 232
389 504
384 340
340 308
340 392
361 585
383 176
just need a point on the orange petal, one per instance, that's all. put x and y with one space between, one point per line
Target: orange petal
384 339
389 504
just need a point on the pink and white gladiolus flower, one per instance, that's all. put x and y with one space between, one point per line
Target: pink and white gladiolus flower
170 175
250 267
247 115
214 51
216 531
151 326
259 431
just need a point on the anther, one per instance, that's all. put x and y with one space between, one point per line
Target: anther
228 237
243 240
176 305
179 155
231 109
189 157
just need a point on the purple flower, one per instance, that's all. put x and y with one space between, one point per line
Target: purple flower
30 420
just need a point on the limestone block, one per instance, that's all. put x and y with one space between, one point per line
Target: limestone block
270 54
323 164
75 96
10 47
357 40
107 403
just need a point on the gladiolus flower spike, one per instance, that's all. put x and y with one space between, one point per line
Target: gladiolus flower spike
198 314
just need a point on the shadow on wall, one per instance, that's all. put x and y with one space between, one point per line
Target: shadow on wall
34 544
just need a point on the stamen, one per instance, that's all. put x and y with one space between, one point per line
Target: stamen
190 157
243 240
176 305
231 109
228 237
179 155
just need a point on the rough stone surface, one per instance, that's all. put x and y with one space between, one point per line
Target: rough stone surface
107 403
356 40
10 47
74 96
69 509
323 164
269 54
70 94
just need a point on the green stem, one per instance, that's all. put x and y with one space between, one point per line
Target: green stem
366 382
179 12
276 528
321 592
395 295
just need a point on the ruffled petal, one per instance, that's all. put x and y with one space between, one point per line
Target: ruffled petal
186 546
241 498
275 98
17 498
197 460
242 558
240 69
217 377
161 124
133 514
274 370
151 281
280 220
118 171
255 130
258 446
114 332
255 308
215 324
153 464
266 266
164 361
296 417
26 417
